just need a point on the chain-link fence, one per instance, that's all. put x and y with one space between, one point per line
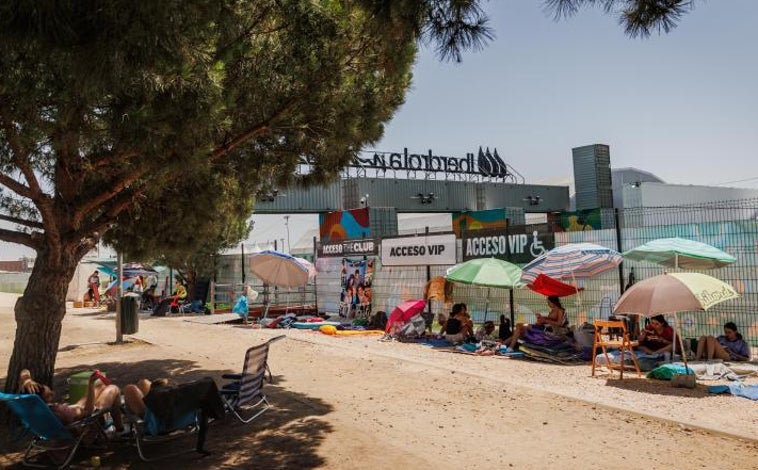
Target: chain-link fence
731 226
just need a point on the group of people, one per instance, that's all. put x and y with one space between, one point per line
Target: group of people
657 338
100 395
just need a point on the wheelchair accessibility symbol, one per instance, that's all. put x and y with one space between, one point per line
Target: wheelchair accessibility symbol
536 248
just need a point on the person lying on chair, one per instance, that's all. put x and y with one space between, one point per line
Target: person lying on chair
134 394
99 396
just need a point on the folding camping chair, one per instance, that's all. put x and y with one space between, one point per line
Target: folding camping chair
49 435
176 411
245 393
621 342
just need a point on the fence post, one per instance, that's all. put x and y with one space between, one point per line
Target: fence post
315 281
618 246
428 276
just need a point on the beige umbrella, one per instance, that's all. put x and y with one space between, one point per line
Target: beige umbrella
674 292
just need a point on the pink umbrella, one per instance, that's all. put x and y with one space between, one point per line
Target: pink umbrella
404 312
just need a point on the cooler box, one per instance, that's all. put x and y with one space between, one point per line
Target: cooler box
77 385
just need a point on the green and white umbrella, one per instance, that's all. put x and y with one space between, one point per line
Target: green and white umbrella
681 253
487 272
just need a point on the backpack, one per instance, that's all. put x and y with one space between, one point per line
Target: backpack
378 321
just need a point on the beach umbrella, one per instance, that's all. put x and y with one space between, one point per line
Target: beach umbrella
308 266
681 253
131 270
548 286
674 292
487 272
404 312
572 261
279 269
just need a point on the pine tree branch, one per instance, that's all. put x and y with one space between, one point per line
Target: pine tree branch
116 189
253 131
20 221
12 236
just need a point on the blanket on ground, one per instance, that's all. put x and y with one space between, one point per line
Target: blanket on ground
737 389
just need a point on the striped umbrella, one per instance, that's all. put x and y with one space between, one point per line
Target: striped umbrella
681 253
572 261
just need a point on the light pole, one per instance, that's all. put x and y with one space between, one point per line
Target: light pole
287 226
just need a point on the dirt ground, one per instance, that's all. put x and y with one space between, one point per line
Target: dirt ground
356 402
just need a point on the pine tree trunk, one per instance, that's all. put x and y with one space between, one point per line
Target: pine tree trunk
39 315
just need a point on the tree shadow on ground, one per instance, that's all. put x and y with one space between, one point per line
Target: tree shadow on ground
657 387
286 436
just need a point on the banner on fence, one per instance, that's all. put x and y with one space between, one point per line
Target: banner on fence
364 247
519 244
344 225
423 250
477 220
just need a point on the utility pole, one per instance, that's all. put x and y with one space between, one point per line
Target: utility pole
287 226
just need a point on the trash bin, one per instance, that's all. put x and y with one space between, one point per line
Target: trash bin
129 316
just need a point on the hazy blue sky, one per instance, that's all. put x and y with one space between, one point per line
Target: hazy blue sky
683 106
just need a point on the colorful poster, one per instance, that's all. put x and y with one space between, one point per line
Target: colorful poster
578 221
356 278
344 225
477 220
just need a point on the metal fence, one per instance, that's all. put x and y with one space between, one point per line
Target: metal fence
731 226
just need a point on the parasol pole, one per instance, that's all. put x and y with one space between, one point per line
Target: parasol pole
511 302
681 344
486 304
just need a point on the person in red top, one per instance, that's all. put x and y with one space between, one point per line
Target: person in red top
657 337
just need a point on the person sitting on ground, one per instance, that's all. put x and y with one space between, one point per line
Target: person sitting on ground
134 395
657 337
467 321
504 331
457 328
555 323
442 320
487 332
728 347
99 396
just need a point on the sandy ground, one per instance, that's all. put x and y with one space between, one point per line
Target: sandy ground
356 402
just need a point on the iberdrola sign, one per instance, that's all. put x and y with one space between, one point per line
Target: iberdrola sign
485 163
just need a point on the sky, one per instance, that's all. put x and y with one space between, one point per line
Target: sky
683 105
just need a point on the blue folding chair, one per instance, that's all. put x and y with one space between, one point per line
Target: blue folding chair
49 435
